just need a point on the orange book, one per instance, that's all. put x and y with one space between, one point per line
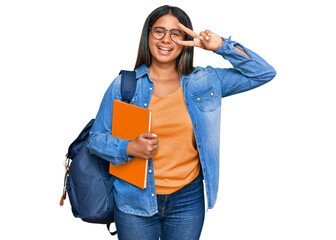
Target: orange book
128 122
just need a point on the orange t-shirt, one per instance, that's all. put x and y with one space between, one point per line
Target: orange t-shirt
176 160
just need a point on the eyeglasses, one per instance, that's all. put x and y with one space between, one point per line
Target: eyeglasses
160 32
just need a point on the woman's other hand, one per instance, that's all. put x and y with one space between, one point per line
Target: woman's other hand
143 146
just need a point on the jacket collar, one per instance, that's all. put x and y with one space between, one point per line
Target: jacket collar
141 71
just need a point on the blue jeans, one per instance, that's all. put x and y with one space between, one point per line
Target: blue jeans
180 217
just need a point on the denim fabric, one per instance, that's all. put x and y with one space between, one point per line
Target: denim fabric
203 90
180 216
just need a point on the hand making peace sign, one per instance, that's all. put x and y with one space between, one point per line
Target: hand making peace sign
206 39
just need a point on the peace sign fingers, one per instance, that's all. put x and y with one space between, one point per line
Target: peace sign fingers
187 30
206 39
197 38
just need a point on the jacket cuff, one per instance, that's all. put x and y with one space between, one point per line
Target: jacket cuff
228 45
122 151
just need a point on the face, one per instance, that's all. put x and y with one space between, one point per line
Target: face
164 50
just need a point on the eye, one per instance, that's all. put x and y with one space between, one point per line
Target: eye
159 30
176 33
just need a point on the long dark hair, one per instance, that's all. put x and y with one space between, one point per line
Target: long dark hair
184 62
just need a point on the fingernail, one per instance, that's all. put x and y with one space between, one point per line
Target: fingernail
154 135
207 38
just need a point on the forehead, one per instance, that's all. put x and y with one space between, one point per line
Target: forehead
168 21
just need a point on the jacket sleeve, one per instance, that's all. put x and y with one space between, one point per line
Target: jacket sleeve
101 142
249 71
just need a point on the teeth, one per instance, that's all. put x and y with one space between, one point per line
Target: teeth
166 49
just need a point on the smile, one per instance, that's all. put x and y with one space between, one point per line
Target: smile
165 51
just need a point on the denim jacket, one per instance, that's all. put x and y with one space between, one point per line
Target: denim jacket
203 90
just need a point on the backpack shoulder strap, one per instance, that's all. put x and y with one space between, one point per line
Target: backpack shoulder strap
128 85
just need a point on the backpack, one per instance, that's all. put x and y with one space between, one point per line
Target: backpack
87 180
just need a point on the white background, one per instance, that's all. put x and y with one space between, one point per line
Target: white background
277 179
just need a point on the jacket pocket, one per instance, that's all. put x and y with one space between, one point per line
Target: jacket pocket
207 100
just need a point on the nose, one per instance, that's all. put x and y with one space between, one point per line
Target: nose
166 38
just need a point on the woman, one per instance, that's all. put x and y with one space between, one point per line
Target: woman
185 104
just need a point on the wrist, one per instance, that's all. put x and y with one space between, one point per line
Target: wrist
219 45
129 148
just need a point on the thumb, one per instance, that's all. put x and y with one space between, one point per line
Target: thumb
149 135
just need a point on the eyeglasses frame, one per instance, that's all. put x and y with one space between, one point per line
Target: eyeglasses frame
165 32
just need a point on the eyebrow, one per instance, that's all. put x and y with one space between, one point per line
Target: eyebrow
168 29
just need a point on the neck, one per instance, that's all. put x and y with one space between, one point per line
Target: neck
163 71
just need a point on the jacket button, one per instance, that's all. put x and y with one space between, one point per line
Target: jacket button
199 146
153 194
150 88
145 104
195 125
150 170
